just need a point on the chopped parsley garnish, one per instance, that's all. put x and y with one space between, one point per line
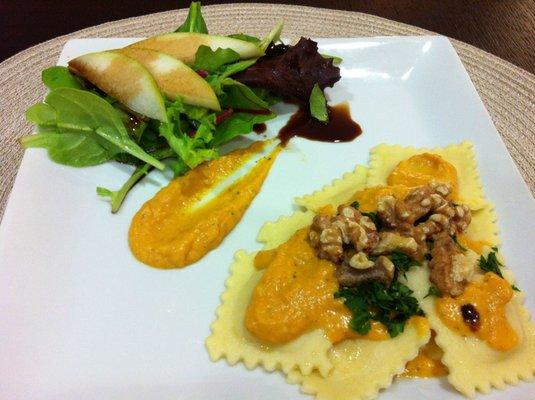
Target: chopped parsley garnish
491 263
375 219
433 291
371 301
454 237
355 205
401 261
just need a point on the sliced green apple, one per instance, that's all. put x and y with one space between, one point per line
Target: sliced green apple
184 45
174 78
124 79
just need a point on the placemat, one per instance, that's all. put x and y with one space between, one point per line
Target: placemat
507 91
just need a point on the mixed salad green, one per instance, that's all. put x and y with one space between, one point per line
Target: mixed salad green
82 126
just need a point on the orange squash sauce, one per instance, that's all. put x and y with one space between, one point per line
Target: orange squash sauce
369 197
172 230
427 363
489 298
477 246
296 295
423 169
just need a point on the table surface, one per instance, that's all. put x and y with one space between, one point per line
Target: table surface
503 28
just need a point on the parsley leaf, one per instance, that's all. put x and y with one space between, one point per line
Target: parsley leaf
433 291
391 306
355 205
491 263
375 219
454 238
401 261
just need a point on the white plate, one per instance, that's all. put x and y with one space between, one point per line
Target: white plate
80 318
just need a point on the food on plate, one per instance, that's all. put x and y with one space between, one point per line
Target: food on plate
185 220
175 79
124 79
184 45
392 270
172 100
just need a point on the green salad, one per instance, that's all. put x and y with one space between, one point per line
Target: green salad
82 125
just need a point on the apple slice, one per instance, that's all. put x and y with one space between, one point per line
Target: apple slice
124 79
184 45
175 78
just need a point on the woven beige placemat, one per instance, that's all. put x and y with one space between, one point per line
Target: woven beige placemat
507 91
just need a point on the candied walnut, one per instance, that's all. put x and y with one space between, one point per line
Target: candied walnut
450 268
360 261
327 238
391 241
329 235
382 271
429 202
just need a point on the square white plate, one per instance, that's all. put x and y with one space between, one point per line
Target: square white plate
80 318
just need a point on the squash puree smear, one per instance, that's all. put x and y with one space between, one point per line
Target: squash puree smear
172 231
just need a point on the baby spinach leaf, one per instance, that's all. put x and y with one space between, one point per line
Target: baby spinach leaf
318 104
238 95
83 112
238 124
101 132
117 197
74 149
41 114
58 77
210 61
194 21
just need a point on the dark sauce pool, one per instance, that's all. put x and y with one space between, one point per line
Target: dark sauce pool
340 128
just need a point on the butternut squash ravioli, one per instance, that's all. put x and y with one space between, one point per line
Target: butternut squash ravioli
390 272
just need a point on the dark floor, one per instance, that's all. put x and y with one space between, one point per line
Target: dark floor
505 28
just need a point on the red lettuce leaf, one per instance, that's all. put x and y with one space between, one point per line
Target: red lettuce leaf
291 71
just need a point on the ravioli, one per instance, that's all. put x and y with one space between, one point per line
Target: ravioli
357 369
362 367
230 338
465 356
312 354
385 157
337 192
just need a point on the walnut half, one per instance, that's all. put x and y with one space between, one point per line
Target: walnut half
329 235
450 268
382 271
